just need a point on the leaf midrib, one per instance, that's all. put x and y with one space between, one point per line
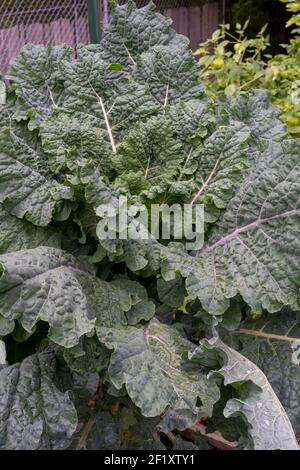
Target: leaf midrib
269 336
256 223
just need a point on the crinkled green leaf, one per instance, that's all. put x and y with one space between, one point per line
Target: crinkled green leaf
67 138
273 344
233 315
34 414
138 254
51 285
26 187
133 31
97 192
232 428
254 250
171 293
222 160
103 98
270 427
142 256
134 300
127 117
148 361
192 118
170 72
151 151
16 234
35 73
256 111
13 110
87 356
82 387
47 284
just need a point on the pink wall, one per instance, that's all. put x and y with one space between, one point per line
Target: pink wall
195 22
56 32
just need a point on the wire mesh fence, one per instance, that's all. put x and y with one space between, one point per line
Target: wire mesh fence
40 22
66 21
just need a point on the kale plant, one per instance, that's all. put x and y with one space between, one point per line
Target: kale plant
113 343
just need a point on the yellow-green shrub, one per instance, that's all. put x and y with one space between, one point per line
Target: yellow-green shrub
233 64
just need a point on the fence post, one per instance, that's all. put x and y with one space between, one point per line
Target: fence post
94 17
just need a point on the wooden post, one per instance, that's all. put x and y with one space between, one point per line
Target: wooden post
94 17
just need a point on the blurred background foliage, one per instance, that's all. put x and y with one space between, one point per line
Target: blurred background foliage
244 54
260 12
